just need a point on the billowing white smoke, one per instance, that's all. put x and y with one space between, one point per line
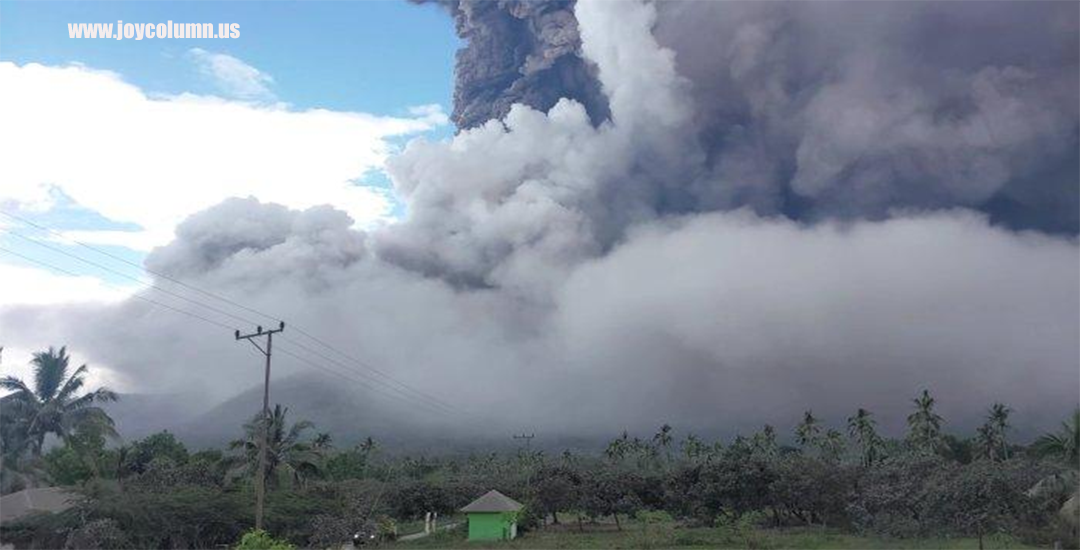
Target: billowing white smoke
539 279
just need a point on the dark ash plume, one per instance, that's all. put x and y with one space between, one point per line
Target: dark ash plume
816 110
518 52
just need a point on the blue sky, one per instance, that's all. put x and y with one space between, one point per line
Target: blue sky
377 57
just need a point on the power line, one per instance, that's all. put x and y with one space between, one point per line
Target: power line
369 367
406 398
129 277
137 266
354 380
136 296
418 394
216 296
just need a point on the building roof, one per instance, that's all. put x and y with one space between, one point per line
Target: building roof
41 499
493 501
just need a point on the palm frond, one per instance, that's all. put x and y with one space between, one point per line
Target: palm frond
18 387
73 384
50 369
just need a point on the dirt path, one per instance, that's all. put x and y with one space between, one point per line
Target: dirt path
422 534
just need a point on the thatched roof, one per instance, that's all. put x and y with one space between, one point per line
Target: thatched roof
493 501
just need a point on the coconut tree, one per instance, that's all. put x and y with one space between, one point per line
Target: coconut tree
998 420
286 450
54 405
924 425
763 444
832 445
808 431
368 445
694 448
663 440
618 447
323 442
861 428
1063 445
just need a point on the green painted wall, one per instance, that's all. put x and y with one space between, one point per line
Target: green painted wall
490 525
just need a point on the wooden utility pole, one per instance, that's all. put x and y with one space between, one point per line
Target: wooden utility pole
260 476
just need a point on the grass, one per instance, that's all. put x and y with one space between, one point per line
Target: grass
671 536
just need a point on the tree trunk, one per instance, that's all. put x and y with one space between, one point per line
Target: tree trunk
980 539
555 517
580 526
617 524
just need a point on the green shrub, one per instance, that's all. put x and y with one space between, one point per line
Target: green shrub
257 539
100 533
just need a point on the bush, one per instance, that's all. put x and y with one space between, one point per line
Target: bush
891 495
65 466
257 539
160 446
182 517
811 490
101 533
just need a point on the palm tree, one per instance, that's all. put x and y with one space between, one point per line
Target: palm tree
693 448
618 447
368 445
861 427
998 420
986 441
663 440
53 406
1063 445
808 431
763 443
832 446
924 425
322 442
285 449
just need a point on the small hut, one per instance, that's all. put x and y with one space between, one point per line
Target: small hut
493 517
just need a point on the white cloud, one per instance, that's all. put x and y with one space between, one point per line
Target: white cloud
152 161
32 286
15 361
232 76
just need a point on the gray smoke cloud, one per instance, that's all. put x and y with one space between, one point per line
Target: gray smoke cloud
814 110
518 52
782 207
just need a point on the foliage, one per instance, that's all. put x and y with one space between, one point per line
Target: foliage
810 490
889 498
808 431
609 493
64 465
555 488
863 430
1063 445
257 539
348 464
924 425
285 449
53 406
654 490
162 445
984 497
100 533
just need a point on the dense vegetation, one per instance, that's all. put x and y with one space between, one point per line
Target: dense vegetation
156 493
